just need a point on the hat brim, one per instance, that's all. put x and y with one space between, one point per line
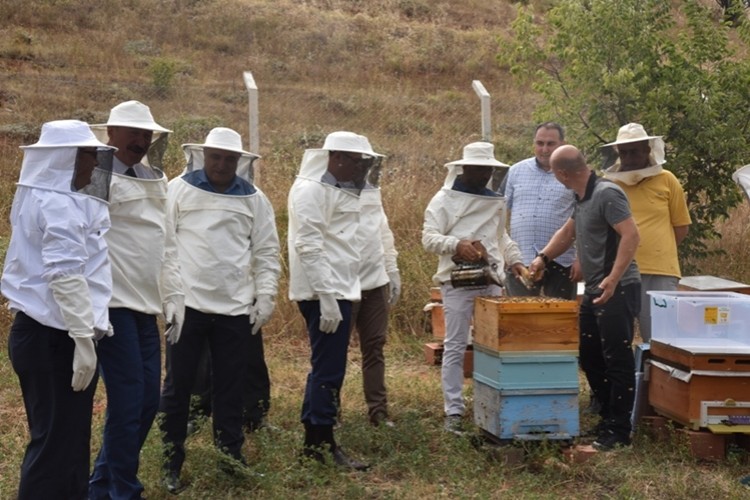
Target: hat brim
247 154
478 162
628 141
346 150
84 144
153 126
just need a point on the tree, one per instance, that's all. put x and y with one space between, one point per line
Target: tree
671 66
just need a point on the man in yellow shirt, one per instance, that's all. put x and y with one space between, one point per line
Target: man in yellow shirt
659 208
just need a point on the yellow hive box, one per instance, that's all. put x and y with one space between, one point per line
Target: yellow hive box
512 324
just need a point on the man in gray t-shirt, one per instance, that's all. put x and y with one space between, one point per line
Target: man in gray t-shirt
606 239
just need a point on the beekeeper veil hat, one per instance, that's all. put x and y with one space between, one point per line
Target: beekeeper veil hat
227 140
135 114
68 158
477 153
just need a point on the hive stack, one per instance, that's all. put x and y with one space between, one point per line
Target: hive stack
699 371
526 367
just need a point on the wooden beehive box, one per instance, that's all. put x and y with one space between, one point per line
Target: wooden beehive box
714 376
686 359
514 324
681 401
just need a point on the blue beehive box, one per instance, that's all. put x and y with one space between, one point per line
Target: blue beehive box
526 415
526 371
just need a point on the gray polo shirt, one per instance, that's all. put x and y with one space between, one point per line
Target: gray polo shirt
603 205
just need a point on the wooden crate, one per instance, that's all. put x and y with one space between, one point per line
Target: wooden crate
681 401
437 319
526 324
433 355
436 314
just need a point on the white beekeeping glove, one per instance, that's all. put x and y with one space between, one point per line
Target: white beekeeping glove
84 363
330 314
100 334
261 311
174 317
395 287
74 300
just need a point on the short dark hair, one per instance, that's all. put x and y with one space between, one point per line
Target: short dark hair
554 125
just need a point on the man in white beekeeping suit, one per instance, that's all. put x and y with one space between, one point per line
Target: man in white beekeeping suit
58 282
324 259
742 178
381 287
465 224
229 258
145 283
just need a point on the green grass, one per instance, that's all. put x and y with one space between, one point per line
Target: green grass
414 460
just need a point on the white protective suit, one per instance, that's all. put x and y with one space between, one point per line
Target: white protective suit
377 247
742 178
323 250
57 238
228 247
452 216
145 269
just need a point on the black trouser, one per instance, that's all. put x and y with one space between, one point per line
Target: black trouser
57 459
227 338
606 353
256 389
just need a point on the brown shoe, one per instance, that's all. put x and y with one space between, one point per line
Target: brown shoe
381 418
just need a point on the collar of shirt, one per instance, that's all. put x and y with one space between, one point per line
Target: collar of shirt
328 178
459 186
239 187
589 187
141 170
119 167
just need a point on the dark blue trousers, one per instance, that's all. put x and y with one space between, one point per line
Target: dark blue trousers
130 365
328 364
56 462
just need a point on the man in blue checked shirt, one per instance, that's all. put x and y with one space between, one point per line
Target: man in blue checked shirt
538 206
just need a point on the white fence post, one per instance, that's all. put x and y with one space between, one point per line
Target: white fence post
253 131
484 97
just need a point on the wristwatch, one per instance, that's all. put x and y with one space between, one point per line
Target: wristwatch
545 259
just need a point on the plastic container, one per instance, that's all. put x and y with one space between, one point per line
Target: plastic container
718 321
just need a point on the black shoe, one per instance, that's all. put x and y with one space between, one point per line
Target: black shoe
172 483
233 465
609 440
594 407
341 459
262 425
192 427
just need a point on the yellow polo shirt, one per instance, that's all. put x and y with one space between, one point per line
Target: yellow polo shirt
658 205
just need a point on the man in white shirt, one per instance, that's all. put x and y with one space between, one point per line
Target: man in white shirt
58 281
145 284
